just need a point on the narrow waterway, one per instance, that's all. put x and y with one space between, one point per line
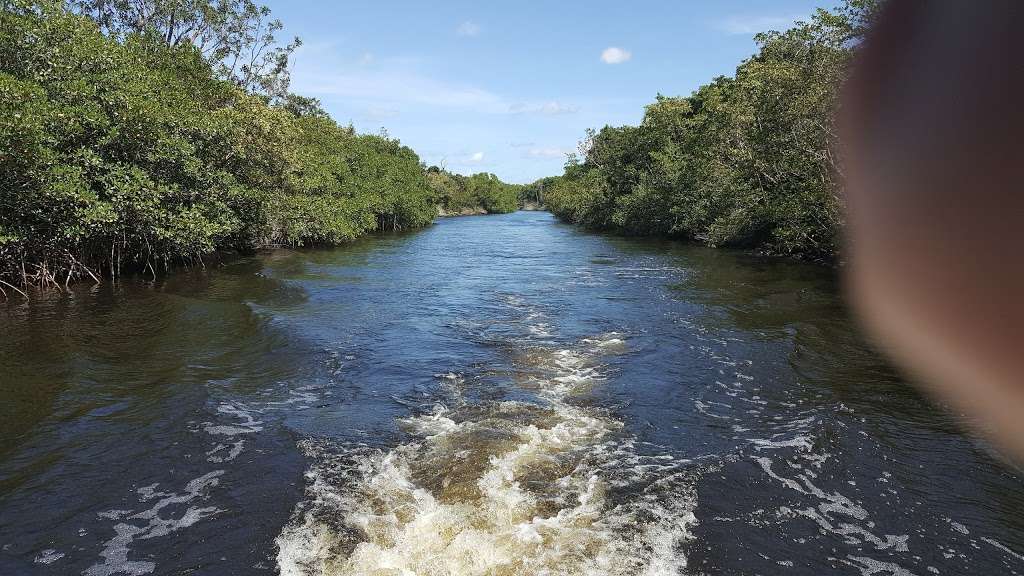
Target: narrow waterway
493 395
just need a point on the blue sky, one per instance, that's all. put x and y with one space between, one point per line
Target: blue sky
509 87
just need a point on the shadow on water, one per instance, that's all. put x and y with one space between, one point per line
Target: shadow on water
129 340
108 388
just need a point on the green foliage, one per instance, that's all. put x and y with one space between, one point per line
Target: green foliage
237 37
135 152
745 161
457 193
533 193
493 195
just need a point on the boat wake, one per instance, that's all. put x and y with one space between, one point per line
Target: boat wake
546 485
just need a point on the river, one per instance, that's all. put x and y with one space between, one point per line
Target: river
492 395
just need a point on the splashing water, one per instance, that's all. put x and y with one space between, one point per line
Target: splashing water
498 488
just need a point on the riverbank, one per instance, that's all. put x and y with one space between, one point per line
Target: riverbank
473 211
169 161
10 289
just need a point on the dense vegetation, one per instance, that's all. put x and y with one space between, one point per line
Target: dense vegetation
533 194
743 161
480 192
142 134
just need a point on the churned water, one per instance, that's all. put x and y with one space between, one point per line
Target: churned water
500 395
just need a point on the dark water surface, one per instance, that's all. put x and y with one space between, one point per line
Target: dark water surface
493 395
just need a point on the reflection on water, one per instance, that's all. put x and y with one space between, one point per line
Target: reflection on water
494 395
124 407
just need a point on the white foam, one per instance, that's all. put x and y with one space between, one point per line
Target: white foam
958 526
248 424
855 528
800 443
1001 546
48 556
871 567
225 452
115 551
433 424
508 488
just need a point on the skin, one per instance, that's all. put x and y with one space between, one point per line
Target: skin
933 136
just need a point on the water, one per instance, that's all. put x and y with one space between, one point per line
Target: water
493 395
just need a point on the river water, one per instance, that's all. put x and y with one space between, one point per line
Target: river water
492 395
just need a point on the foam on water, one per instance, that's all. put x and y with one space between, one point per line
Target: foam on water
162 518
48 556
498 488
230 425
790 440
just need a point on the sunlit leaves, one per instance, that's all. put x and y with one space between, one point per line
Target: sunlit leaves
745 161
117 153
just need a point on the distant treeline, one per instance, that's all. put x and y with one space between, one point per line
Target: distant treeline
137 135
457 193
744 161
533 193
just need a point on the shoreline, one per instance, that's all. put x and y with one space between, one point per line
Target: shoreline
11 289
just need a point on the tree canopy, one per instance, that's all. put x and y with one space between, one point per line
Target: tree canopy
129 139
743 161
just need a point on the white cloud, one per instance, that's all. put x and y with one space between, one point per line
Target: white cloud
366 59
550 108
470 161
615 55
468 28
755 24
546 153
